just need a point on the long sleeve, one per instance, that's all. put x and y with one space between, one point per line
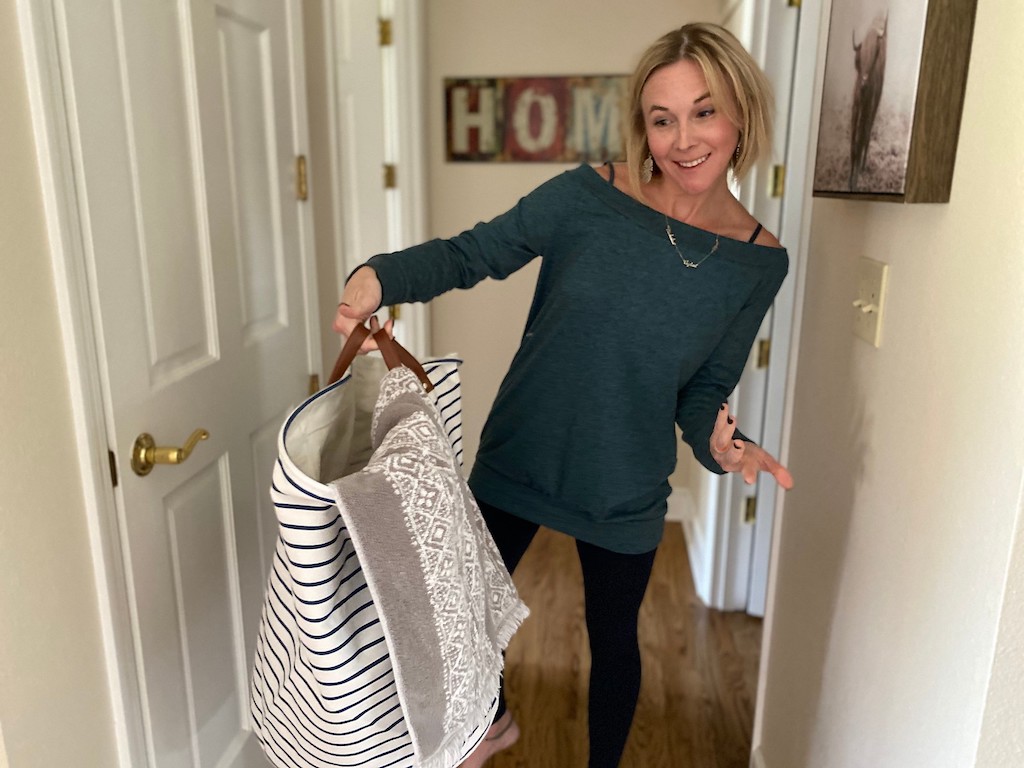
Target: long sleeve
493 249
702 396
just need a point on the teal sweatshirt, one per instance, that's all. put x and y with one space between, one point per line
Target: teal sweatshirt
622 342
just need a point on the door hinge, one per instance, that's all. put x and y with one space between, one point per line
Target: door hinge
390 176
394 312
764 352
750 510
314 383
384 32
778 186
112 459
794 3
301 182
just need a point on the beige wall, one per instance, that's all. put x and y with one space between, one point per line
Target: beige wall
53 702
895 545
532 37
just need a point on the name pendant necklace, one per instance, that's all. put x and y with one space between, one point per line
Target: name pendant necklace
686 261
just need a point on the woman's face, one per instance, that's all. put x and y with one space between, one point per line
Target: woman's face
691 139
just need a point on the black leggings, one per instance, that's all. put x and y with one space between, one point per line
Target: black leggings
613 586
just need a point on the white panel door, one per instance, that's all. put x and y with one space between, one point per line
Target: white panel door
182 122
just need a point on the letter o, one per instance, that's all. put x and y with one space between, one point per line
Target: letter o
548 107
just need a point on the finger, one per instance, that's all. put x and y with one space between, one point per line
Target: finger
723 430
741 459
782 476
749 472
344 325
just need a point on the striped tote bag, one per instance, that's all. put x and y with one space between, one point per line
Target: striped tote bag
349 671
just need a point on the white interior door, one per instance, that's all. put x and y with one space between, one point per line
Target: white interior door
728 552
354 53
377 120
775 46
184 121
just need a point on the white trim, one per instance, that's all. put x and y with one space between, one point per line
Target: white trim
307 231
757 759
38 28
4 762
805 106
699 529
408 90
681 506
723 563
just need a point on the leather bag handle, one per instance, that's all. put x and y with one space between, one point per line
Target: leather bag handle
394 355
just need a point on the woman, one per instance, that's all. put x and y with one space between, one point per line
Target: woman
654 281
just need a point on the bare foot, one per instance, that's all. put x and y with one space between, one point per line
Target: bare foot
501 735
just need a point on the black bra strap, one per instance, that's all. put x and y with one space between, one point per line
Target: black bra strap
757 232
611 172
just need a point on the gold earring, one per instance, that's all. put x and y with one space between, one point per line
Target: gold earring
647 169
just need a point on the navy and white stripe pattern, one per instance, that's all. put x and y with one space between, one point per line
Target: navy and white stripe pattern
323 689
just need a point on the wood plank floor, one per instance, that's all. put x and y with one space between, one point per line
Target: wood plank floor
700 668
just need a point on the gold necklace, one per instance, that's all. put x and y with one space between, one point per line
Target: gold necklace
686 261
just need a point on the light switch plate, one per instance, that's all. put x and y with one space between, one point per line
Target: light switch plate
868 307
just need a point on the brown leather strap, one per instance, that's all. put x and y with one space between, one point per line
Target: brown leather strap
394 355
348 352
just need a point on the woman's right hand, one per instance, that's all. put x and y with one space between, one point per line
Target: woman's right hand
360 299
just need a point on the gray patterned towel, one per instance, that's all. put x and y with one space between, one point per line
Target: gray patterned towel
446 602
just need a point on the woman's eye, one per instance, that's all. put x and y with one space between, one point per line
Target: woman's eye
706 113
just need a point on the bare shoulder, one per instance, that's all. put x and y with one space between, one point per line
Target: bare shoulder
764 237
617 174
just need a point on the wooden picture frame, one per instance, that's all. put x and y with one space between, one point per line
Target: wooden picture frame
890 133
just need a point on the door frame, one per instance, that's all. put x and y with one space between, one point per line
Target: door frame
52 124
404 89
808 74
731 560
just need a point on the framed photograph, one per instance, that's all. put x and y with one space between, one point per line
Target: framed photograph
895 72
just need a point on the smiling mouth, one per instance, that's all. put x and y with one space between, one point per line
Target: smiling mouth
693 163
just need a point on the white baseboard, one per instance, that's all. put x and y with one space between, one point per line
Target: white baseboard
683 508
757 759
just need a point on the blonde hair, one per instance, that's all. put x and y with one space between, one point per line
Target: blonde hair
730 72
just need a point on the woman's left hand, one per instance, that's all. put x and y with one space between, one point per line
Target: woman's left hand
747 458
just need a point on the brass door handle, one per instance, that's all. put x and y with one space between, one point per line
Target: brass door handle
146 454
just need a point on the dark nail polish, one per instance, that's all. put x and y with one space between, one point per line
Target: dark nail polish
722 408
730 419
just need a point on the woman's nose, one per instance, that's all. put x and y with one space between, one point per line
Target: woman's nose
683 138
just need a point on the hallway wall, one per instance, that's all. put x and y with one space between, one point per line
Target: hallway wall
54 708
894 549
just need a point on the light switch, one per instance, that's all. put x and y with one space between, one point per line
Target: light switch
867 307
